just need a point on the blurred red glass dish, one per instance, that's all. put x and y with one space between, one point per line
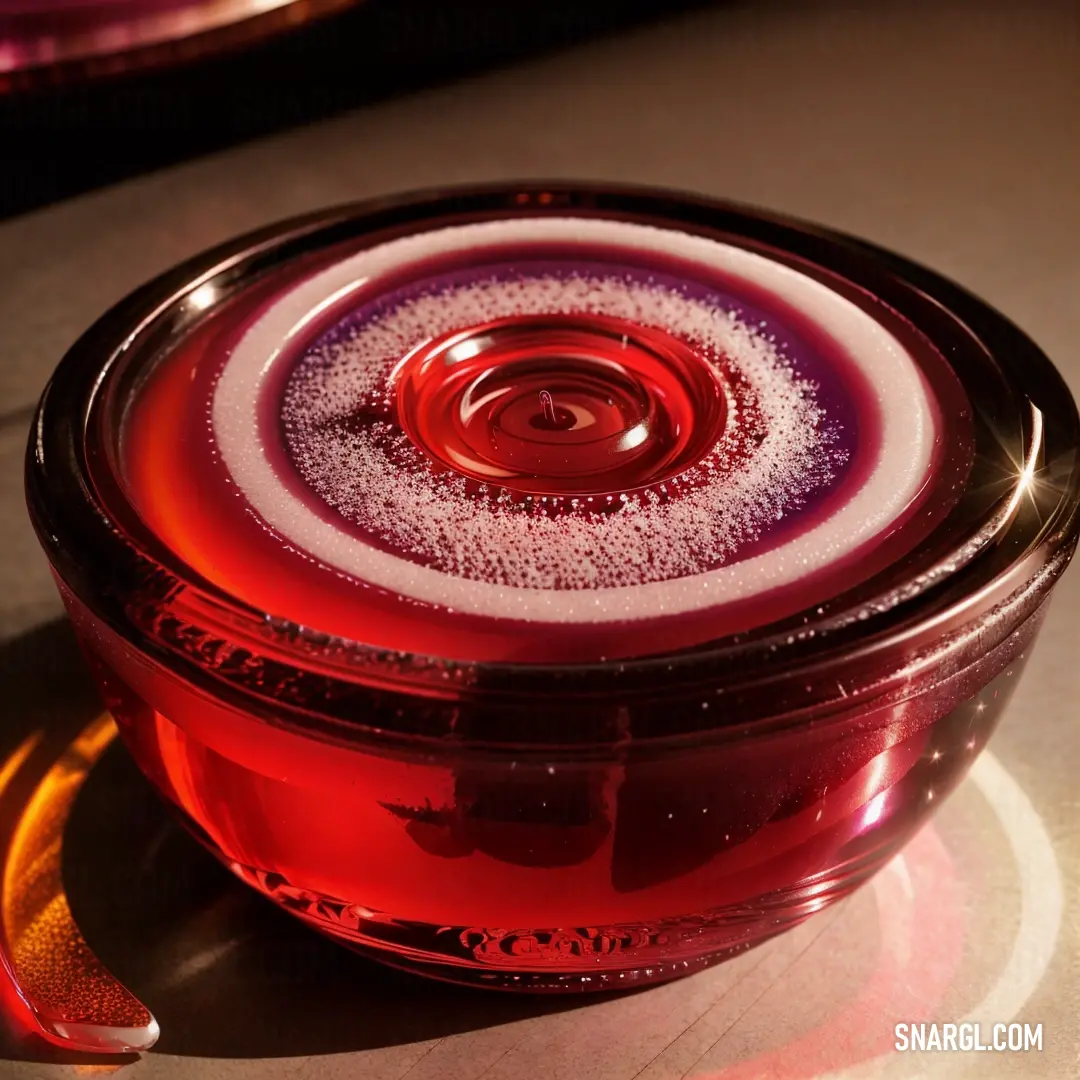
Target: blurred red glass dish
496 753
45 40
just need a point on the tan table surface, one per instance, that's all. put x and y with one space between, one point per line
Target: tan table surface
946 130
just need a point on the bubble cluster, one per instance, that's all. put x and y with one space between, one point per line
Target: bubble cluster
775 449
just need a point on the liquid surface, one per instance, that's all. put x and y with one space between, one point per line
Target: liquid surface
540 439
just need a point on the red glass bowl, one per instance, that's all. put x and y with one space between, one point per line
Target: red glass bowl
562 826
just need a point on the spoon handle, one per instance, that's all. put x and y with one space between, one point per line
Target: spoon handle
71 996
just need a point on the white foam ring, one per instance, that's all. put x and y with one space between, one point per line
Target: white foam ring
646 558
646 539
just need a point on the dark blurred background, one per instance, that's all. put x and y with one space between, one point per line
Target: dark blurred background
62 134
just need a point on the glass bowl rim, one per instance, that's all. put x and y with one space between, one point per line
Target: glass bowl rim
67 507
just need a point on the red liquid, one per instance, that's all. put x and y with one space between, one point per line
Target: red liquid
556 874
571 405
667 409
